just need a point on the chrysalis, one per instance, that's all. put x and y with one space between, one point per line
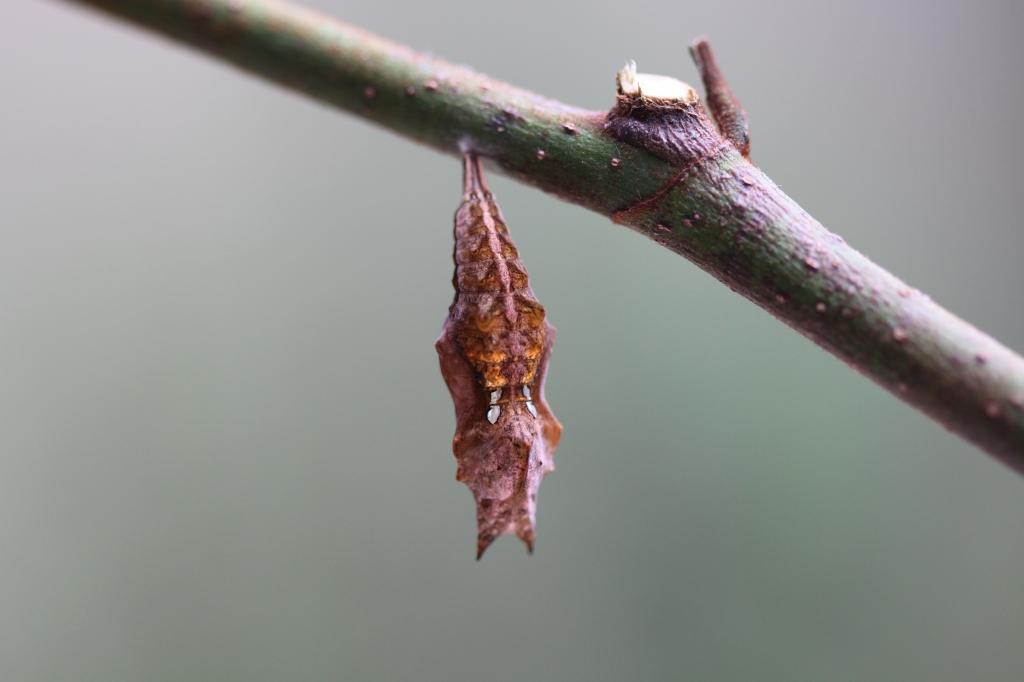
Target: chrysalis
494 351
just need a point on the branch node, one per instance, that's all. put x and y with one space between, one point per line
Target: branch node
624 215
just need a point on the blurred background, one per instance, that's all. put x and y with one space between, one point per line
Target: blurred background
225 443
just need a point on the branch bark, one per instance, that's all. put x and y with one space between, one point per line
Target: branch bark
666 173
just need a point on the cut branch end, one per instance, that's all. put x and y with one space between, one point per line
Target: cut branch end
653 88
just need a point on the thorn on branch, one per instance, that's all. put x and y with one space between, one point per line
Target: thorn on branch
725 108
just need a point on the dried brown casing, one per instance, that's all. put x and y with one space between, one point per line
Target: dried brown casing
494 352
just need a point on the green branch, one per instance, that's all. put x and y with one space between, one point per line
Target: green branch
670 176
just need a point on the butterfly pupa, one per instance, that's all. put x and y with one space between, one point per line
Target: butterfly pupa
494 351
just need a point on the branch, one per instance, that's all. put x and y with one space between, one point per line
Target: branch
654 163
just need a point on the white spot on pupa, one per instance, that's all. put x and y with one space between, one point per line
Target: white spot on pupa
493 413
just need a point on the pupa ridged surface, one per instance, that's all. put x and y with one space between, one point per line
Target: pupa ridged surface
494 352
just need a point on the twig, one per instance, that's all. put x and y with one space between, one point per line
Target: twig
723 213
724 106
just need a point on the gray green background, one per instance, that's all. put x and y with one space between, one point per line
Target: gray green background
225 444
